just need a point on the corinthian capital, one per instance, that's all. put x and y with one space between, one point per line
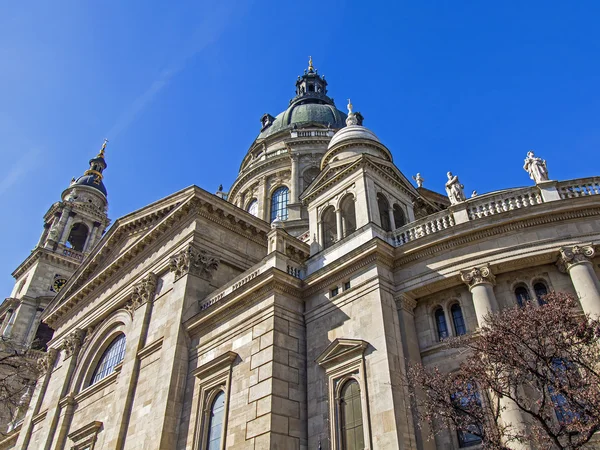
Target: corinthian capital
478 275
144 290
73 342
196 262
406 303
573 255
47 361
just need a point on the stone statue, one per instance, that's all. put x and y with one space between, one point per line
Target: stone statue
454 189
419 179
349 107
536 167
473 194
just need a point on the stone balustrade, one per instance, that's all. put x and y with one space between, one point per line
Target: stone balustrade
311 133
579 187
489 205
73 254
497 203
422 227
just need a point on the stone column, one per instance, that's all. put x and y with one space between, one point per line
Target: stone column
392 221
67 226
91 240
55 231
44 235
294 184
481 282
338 223
410 344
263 208
576 260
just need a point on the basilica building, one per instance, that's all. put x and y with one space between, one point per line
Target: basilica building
283 313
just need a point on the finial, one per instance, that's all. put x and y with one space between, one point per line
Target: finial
101 154
351 119
310 64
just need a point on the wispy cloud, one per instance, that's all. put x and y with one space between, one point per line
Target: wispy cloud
205 33
21 167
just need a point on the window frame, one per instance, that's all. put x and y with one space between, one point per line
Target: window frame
438 332
106 348
520 302
284 203
212 378
252 203
462 316
343 360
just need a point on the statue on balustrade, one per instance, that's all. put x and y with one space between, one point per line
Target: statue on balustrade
536 167
454 189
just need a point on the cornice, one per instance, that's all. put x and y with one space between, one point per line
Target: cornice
267 283
375 251
44 254
339 173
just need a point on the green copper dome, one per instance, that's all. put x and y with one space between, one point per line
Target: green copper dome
302 115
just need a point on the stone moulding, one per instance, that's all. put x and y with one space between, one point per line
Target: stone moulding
195 262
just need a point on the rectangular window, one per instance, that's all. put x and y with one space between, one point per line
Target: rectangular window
346 285
335 291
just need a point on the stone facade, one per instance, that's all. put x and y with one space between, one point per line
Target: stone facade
247 334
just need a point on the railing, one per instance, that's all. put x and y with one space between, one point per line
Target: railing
73 254
491 204
579 188
422 227
311 133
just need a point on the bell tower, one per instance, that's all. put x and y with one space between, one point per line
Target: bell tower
72 228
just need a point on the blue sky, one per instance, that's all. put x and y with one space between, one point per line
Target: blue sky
179 87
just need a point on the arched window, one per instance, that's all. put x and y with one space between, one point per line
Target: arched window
351 422
112 356
77 237
458 320
328 226
279 202
348 215
253 207
522 295
384 212
215 425
399 218
540 290
440 322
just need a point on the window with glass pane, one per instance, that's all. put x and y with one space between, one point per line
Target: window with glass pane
540 290
279 202
253 208
440 321
215 426
522 295
351 417
561 371
458 320
468 399
112 356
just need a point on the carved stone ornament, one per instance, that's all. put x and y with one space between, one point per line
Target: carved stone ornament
406 303
577 254
73 342
144 290
47 361
478 275
196 262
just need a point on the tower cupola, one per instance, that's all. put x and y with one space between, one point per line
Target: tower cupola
311 87
94 175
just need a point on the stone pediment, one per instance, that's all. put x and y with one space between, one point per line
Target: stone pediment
341 350
133 233
338 170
